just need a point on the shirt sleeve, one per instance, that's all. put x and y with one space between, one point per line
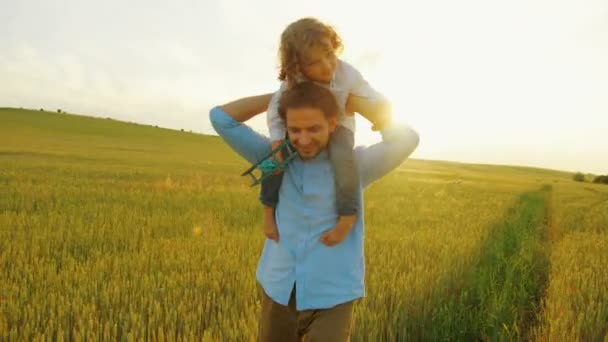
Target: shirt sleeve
248 143
276 126
375 161
359 86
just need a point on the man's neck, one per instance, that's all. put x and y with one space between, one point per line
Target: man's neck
320 156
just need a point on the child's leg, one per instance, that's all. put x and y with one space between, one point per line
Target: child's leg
347 175
347 184
269 196
269 192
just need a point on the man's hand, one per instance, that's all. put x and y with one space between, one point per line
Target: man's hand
278 156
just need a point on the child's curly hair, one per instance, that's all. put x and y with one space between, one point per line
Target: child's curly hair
296 39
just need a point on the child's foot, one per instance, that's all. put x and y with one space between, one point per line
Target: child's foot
340 231
270 226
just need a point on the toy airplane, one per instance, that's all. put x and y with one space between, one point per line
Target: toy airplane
269 165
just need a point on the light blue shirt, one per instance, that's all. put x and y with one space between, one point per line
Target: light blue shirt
324 276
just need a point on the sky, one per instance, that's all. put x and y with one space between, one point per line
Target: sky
520 82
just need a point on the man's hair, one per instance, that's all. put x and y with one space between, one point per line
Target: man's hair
308 95
298 38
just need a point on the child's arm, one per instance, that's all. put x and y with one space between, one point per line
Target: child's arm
366 100
276 126
378 112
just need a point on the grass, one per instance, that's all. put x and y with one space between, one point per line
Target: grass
110 230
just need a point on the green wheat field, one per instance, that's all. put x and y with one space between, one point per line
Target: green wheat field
118 231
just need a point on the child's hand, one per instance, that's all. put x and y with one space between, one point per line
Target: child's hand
334 236
338 233
270 226
272 233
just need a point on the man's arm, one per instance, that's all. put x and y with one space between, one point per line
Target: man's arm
244 109
398 143
227 120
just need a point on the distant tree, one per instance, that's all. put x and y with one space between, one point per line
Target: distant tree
579 177
42 109
182 130
601 179
59 111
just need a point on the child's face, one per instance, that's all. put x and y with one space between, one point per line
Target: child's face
319 62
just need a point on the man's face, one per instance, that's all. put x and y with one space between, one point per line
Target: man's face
309 130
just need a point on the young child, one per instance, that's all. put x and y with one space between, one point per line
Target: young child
308 52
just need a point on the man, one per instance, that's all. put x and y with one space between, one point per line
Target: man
310 279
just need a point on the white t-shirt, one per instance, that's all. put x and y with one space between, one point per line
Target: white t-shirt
347 80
